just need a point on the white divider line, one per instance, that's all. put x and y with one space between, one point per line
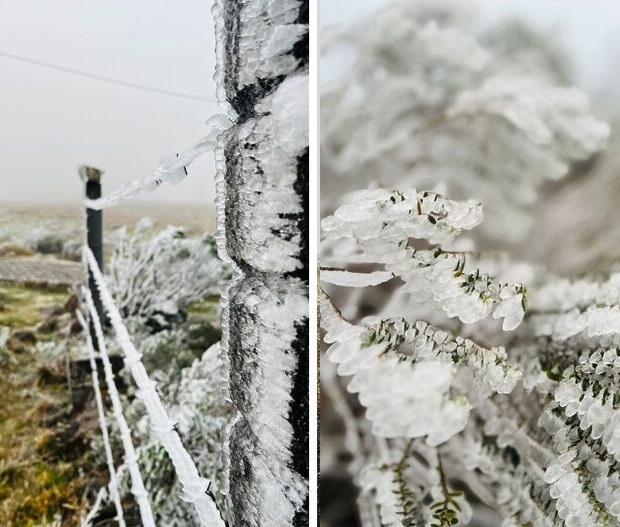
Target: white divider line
114 494
171 170
194 486
131 459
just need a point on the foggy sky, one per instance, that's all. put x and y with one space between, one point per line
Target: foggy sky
51 122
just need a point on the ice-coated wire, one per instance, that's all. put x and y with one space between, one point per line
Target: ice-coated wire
114 493
131 458
88 519
194 486
173 169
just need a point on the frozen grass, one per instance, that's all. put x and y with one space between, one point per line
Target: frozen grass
43 457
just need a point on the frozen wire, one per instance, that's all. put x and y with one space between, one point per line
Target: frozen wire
194 486
103 78
114 493
131 458
172 170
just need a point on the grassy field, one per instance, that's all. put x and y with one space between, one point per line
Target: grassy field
44 458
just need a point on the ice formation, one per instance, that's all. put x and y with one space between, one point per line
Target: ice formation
262 204
172 170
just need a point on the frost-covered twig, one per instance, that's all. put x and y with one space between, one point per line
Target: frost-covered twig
94 510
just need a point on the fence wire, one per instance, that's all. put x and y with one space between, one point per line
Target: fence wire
195 488
113 485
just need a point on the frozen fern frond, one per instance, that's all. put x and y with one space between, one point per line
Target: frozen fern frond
419 382
565 308
385 225
432 373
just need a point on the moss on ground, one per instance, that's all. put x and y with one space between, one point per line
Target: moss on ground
22 305
43 461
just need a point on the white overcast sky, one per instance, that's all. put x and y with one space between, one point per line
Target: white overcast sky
50 122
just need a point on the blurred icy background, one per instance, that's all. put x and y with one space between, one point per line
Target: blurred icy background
570 44
53 121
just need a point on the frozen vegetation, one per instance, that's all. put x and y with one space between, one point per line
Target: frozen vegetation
471 386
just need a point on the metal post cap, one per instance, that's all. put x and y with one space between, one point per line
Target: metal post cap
89 173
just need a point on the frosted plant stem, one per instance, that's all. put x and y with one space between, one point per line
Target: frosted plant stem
114 494
88 519
194 486
131 458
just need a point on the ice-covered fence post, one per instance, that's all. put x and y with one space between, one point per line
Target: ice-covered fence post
262 202
94 236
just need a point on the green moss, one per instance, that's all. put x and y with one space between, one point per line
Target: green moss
23 303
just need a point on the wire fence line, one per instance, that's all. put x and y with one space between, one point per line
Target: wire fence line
113 484
131 458
103 78
195 487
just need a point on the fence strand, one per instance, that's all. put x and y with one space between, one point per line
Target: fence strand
171 170
113 485
131 458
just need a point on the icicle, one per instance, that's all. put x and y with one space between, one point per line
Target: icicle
350 279
194 486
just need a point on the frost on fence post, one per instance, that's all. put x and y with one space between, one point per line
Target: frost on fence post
262 183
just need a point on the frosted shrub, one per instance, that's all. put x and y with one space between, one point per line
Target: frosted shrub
153 278
481 391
